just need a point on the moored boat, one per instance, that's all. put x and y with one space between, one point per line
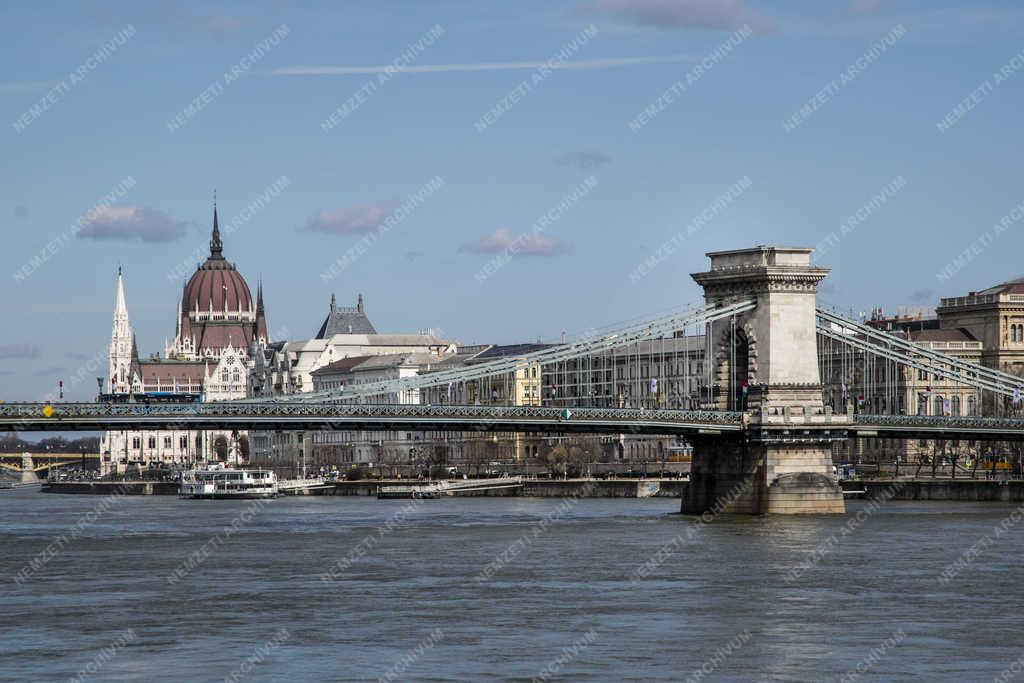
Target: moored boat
226 483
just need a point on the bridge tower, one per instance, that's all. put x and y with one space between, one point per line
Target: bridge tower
766 364
28 469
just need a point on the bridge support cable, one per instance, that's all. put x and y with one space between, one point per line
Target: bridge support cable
941 364
613 339
602 346
928 361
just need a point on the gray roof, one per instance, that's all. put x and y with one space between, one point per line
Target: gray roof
345 320
505 350
389 360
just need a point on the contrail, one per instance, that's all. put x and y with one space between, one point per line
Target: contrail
482 66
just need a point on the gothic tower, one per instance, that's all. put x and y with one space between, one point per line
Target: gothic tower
122 345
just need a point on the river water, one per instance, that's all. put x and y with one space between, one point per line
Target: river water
510 589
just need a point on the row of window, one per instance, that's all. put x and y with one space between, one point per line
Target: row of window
944 406
151 442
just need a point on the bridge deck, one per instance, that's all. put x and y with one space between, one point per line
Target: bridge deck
325 416
291 416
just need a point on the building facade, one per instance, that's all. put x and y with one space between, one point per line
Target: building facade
345 339
220 329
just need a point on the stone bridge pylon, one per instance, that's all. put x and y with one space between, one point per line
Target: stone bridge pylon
766 364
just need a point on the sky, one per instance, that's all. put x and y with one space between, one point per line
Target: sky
495 172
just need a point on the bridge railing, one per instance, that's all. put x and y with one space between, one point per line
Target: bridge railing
937 421
255 409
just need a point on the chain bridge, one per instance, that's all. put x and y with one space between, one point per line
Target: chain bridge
781 380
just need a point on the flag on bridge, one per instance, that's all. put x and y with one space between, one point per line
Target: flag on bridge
654 385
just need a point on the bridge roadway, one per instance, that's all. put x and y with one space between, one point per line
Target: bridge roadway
393 417
324 416
938 427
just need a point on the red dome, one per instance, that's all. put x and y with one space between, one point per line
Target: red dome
217 281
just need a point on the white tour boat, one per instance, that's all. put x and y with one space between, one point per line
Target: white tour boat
225 482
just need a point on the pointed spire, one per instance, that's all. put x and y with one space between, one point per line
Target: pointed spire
359 304
261 316
216 247
120 307
333 303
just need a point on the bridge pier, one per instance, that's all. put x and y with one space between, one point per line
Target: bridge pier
735 475
28 470
766 363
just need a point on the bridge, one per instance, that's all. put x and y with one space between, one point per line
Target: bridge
270 415
304 416
27 466
782 381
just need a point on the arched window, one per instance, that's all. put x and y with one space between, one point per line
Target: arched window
939 405
954 406
972 406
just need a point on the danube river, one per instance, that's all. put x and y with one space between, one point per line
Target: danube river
511 589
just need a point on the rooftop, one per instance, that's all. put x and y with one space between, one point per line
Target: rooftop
342 320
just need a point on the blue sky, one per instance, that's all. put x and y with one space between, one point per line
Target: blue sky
107 119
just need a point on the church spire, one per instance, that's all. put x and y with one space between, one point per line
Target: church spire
261 316
120 307
216 247
122 344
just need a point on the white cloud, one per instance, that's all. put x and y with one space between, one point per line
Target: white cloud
858 8
479 66
528 245
219 23
585 160
349 220
715 15
19 351
128 223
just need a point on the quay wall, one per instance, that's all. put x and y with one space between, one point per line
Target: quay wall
947 490
545 488
540 488
102 488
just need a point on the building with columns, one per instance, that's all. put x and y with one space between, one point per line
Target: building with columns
219 330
